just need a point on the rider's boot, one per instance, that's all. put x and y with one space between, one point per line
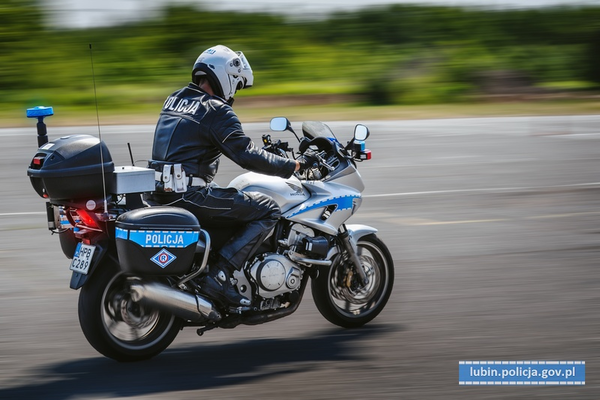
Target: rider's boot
217 284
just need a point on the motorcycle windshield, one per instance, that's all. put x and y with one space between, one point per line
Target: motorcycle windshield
313 129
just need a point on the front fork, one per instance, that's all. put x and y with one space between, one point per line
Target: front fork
344 237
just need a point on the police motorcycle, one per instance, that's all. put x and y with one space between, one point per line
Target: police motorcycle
139 268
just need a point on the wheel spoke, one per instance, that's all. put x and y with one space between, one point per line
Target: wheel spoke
134 333
347 305
112 324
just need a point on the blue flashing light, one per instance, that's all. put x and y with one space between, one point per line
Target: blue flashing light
39 111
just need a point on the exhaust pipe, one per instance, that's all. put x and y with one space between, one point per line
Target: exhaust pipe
182 304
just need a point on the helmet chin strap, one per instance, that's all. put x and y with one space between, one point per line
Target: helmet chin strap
239 86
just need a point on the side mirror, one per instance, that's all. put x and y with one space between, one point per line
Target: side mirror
280 124
361 132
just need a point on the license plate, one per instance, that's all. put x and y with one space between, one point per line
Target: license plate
82 258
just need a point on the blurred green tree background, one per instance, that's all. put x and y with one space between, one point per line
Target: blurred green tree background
398 54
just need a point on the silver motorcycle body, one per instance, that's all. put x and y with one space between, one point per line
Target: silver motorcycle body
140 268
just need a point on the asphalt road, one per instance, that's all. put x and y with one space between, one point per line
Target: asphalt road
493 225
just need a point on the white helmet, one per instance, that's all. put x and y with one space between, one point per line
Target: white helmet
227 71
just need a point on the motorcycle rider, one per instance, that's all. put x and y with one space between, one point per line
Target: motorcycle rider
196 126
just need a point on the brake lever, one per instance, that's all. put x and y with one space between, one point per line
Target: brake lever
329 167
323 162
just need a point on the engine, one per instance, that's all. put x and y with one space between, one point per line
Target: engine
275 274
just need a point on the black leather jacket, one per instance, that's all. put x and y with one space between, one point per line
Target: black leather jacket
194 129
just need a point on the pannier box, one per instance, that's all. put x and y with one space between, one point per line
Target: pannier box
130 179
157 240
72 167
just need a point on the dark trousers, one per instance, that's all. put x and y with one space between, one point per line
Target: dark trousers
255 214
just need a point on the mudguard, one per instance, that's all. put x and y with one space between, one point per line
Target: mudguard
357 231
78 279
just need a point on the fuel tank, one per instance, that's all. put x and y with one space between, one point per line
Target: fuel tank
288 193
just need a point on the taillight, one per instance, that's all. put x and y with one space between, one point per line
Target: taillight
87 219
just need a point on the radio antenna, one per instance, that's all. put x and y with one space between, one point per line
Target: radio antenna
131 154
99 133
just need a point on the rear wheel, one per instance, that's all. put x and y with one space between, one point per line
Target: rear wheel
338 293
116 326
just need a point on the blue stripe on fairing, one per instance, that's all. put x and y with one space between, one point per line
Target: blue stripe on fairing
343 203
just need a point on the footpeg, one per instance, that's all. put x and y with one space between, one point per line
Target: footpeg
238 310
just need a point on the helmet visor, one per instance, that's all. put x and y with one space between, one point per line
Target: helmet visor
246 70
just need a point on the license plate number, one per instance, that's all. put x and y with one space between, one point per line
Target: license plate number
82 259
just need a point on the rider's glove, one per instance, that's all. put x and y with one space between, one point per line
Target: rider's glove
307 161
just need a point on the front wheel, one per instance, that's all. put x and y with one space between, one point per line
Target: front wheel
338 293
116 326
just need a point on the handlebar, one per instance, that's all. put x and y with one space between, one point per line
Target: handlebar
284 150
278 148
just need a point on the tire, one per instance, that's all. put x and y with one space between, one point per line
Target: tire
117 327
339 296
